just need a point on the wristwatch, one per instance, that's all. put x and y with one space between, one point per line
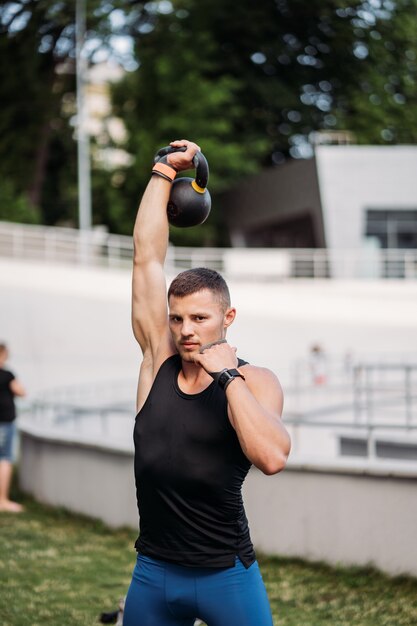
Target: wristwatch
225 377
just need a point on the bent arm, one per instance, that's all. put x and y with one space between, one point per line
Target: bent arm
255 406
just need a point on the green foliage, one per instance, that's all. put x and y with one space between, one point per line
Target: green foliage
37 94
15 207
36 146
263 75
381 108
173 95
60 568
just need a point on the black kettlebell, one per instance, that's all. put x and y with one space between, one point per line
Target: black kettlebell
189 203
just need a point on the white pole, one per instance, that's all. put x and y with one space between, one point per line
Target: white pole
83 143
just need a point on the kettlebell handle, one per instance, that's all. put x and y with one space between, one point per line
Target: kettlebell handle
199 161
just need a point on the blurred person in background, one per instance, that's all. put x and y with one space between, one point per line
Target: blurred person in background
318 365
9 388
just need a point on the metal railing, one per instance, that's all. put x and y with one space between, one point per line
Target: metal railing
373 414
102 411
99 248
373 393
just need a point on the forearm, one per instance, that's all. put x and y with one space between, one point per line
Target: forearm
262 436
17 388
150 234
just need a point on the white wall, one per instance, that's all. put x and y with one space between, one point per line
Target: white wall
355 178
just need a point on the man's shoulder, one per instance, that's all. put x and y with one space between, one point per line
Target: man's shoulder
258 373
250 367
264 385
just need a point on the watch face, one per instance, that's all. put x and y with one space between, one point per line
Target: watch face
224 378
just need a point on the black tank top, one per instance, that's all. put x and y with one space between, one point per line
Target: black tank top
189 470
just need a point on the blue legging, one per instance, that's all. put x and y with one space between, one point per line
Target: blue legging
164 594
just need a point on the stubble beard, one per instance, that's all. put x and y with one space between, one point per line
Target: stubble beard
186 355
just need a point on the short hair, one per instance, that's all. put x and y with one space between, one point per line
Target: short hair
197 279
3 347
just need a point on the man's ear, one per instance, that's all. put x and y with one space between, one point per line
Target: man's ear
229 317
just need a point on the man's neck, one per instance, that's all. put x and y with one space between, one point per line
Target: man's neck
193 378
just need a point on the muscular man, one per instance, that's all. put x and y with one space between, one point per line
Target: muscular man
204 417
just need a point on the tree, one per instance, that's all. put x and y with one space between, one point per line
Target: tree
37 92
31 92
173 95
381 107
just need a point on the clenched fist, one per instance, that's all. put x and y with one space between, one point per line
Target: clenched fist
183 160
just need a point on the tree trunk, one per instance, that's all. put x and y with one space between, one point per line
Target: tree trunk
41 158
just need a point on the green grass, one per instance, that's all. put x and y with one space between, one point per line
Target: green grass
60 569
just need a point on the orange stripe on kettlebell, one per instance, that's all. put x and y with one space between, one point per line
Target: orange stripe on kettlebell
197 188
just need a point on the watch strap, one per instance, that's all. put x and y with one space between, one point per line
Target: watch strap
225 377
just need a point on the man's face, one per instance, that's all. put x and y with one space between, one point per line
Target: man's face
196 320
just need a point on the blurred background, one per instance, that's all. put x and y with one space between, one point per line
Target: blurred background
306 112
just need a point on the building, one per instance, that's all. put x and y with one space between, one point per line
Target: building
345 197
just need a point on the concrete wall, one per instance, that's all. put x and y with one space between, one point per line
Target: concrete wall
348 514
96 480
353 179
341 516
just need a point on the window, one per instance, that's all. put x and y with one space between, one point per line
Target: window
393 228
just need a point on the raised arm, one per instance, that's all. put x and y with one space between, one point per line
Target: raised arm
150 239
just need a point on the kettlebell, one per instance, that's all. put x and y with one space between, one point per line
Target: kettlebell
189 203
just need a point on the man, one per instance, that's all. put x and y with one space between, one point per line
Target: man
9 388
203 418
